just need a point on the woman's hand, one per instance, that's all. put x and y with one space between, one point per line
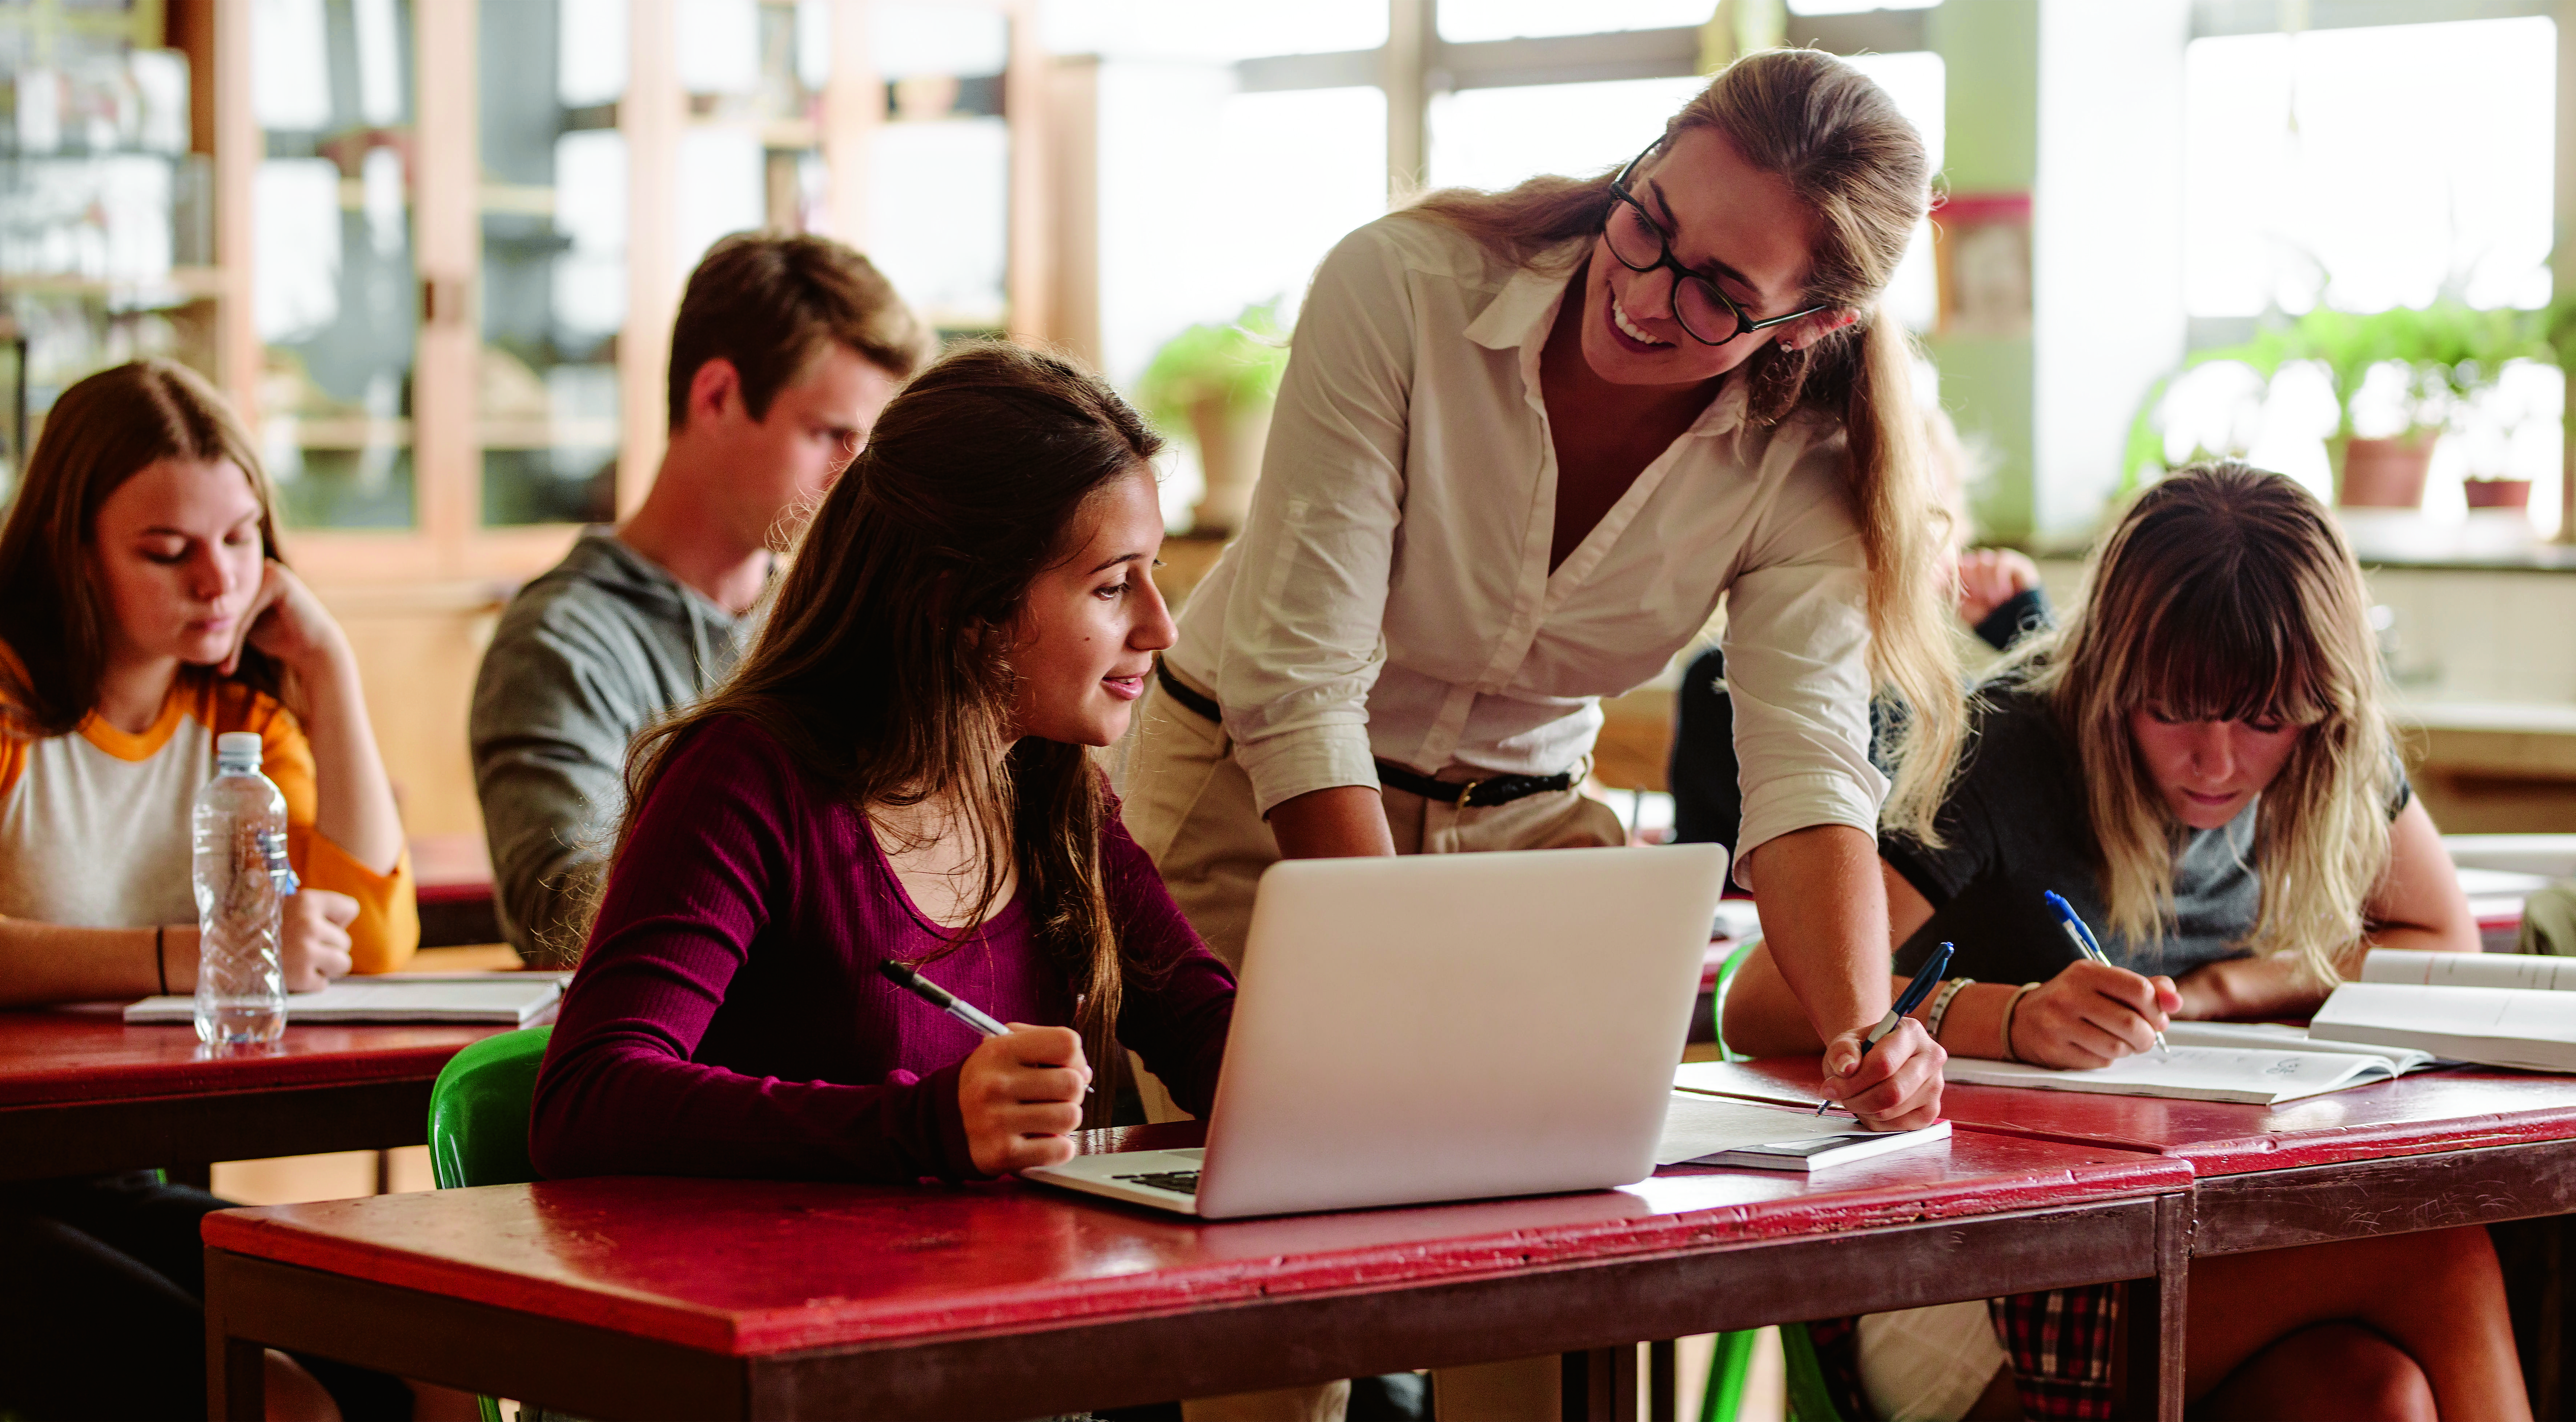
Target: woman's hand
2091 1015
288 622
1896 1086
1991 577
1021 1094
313 938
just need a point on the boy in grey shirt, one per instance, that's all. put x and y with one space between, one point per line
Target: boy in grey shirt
785 350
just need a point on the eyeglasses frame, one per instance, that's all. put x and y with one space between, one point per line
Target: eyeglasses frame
1745 325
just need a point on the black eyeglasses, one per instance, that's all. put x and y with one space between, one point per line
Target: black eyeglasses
1641 245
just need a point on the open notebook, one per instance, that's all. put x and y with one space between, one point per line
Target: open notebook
1705 1130
2502 1009
511 999
2277 1036
2262 1076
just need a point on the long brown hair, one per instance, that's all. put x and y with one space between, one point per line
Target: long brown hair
1837 140
101 432
883 667
2227 593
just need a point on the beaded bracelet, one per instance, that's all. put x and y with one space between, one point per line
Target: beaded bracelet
1941 1005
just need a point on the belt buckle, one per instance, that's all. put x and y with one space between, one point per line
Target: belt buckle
1467 795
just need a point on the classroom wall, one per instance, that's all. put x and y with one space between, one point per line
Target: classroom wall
418 648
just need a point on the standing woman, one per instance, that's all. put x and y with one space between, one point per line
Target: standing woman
1526 445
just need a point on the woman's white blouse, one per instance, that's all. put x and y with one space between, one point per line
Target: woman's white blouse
1390 594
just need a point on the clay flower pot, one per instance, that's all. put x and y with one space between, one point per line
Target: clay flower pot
2498 493
2383 473
1229 438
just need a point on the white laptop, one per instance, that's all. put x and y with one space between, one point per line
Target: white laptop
1443 1027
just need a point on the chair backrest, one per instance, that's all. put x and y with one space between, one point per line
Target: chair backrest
478 1111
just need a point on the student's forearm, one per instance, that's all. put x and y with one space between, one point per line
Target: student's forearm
354 801
47 962
1824 919
1346 821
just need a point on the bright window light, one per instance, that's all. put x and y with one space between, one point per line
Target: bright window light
1493 138
2370 167
1469 20
1200 30
1854 7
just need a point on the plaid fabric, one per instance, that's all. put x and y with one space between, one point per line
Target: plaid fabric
2060 1343
1837 1345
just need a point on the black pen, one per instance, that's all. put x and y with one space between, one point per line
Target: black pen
946 1001
1924 979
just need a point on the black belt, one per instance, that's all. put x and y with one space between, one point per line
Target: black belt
1464 794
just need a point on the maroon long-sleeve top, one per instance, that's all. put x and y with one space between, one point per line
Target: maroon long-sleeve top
729 1018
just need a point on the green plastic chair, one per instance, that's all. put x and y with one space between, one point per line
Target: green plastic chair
1732 1367
478 1111
478 1120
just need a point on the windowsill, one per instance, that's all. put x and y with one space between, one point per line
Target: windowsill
2542 558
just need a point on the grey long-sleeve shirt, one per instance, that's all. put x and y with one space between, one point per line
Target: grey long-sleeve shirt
598 648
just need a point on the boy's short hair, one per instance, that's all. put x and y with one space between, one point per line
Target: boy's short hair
770 301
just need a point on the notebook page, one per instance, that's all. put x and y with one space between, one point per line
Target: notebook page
2259 1075
2535 971
499 997
2279 1037
1695 1126
2498 1026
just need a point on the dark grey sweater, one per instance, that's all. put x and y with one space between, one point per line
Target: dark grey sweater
596 649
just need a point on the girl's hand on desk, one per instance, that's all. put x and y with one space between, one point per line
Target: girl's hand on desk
2091 1015
1896 1086
313 938
1020 1094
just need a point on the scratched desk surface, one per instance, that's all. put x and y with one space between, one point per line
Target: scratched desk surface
753 1267
54 1058
2456 1109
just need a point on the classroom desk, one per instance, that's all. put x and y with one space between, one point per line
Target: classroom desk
82 1093
670 1297
2467 1145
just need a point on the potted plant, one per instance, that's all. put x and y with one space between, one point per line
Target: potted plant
1215 382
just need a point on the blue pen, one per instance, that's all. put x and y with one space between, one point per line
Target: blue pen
1924 979
2089 946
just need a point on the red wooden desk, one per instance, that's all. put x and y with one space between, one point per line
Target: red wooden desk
2462 1146
82 1093
665 1297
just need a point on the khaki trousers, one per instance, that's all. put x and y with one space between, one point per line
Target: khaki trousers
1190 806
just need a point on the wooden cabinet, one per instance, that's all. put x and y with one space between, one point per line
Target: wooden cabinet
443 242
452 234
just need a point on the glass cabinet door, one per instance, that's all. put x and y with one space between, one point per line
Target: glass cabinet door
335 300
551 75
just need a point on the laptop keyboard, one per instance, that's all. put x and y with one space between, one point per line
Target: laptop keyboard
1179 1182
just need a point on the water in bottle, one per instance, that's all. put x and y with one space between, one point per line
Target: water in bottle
242 878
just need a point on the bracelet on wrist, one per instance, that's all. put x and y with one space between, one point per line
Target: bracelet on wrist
1941 1005
2011 1005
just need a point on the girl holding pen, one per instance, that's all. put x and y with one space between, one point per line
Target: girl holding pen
899 772
2198 762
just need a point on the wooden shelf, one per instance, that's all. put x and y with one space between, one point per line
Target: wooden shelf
181 286
361 432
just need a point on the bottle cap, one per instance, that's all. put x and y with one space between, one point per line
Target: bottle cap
237 750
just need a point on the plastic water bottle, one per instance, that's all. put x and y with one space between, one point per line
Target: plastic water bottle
242 878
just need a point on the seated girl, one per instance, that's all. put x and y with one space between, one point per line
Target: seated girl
899 770
143 612
2200 763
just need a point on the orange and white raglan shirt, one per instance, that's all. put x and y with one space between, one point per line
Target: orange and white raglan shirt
94 824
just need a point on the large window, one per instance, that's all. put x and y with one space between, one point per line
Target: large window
2366 168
